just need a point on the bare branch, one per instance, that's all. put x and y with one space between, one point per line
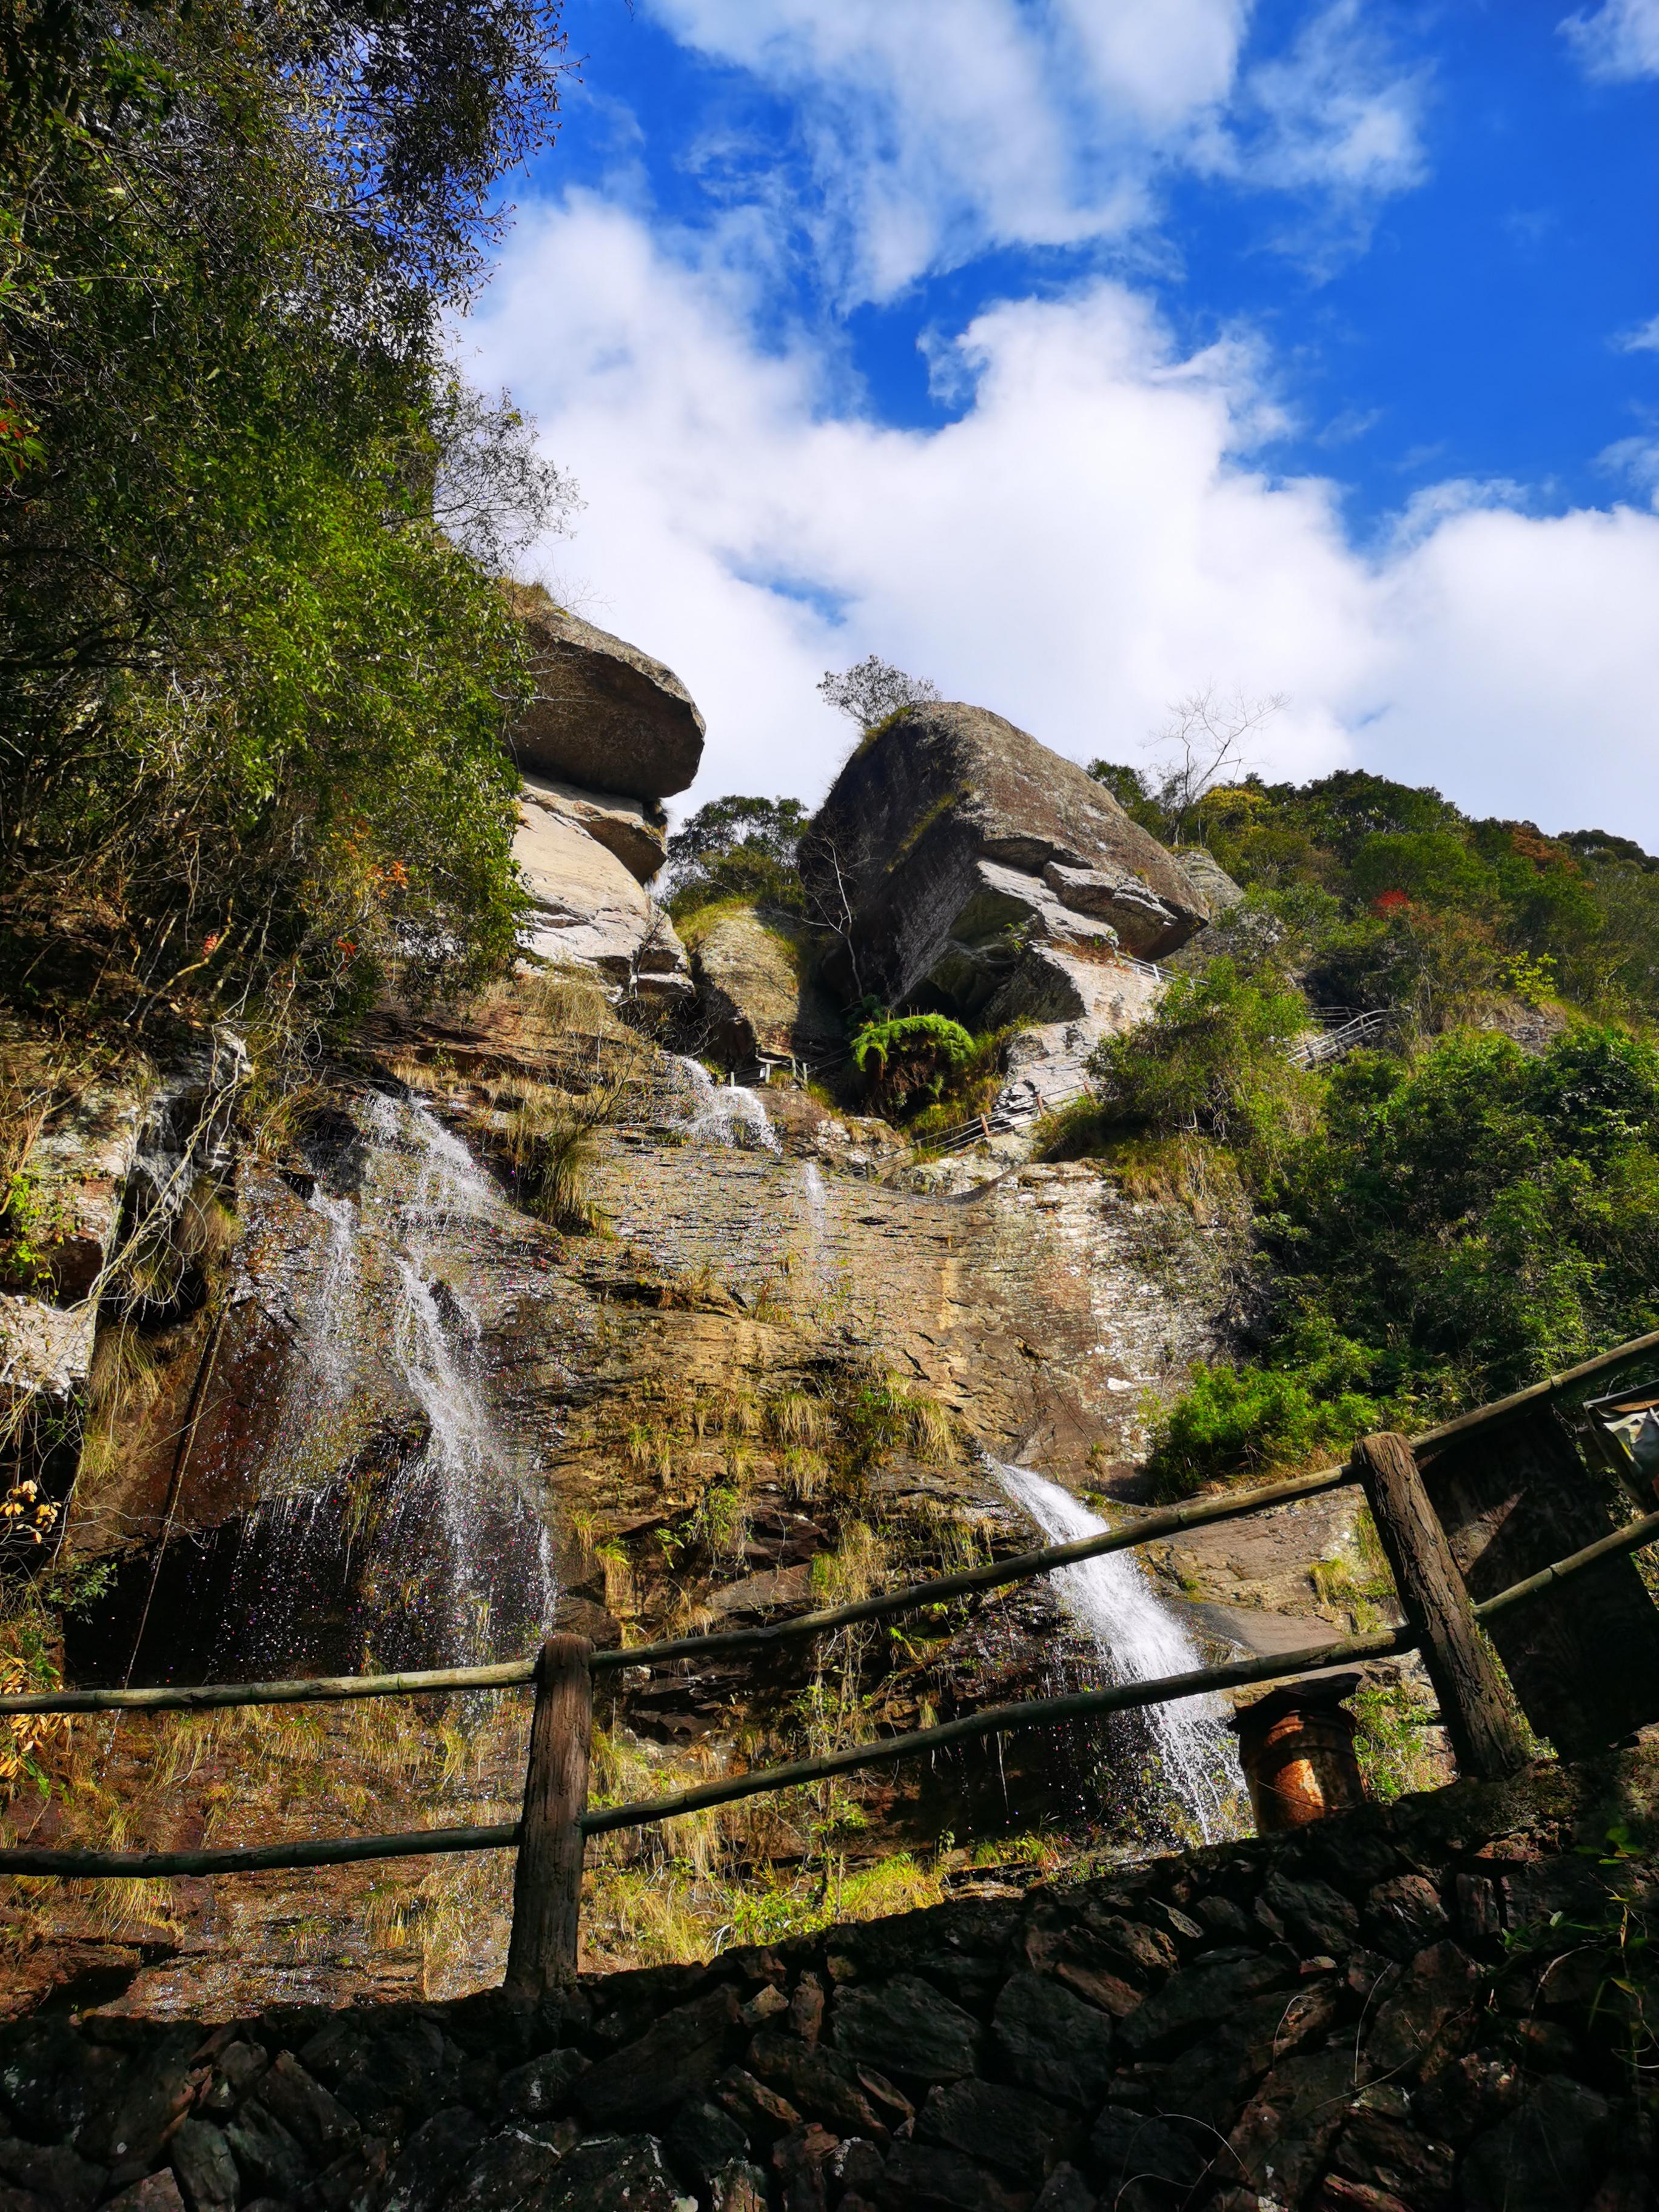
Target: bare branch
872 690
1204 744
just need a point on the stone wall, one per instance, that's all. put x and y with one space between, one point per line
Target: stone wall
1402 2009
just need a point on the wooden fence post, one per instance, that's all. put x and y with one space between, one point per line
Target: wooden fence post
1475 1704
547 1885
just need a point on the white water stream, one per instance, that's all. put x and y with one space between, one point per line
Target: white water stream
447 1559
817 1225
726 1113
1139 1640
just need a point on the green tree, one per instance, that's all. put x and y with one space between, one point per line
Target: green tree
737 848
1450 1231
251 695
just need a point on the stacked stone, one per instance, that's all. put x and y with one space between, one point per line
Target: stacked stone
1395 2011
610 735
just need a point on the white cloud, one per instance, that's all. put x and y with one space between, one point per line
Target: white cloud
1523 668
1619 39
1094 536
1337 112
933 132
1637 461
1644 338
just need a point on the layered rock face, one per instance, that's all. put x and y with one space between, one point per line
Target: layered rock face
610 735
974 867
591 909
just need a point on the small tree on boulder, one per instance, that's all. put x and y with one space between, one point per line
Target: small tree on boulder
874 690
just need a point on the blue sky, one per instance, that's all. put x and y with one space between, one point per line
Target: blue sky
1085 354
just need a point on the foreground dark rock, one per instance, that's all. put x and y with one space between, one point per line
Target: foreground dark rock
972 865
1431 2006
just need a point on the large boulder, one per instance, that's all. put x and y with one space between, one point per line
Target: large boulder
588 909
635 829
972 867
755 988
606 716
1211 881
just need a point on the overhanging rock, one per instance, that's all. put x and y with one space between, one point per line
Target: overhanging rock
953 847
606 716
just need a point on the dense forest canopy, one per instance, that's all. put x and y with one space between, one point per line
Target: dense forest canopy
1399 899
253 669
1464 1207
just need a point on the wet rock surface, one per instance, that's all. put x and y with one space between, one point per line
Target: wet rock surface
943 2060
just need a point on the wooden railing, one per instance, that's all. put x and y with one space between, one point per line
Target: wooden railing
1440 1622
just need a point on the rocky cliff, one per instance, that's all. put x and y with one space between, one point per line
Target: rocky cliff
611 733
512 1318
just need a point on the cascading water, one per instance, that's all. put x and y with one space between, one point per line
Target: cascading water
726 1113
423 1548
1139 1640
818 1229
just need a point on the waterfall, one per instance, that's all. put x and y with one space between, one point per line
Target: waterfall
1138 1639
816 1223
726 1113
418 1540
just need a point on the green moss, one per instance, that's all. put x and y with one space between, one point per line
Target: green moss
925 822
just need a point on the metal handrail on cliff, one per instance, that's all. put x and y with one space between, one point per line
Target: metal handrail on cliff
1441 1622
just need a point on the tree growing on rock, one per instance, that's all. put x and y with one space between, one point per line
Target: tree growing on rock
1204 749
873 688
910 1058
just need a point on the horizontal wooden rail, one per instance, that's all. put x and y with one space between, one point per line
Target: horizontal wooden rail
999 1720
1501 1408
1144 1528
312 1690
254 1858
1631 1538
993 1721
510 1674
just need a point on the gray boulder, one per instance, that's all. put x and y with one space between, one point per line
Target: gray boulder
588 910
968 863
1210 880
606 716
754 990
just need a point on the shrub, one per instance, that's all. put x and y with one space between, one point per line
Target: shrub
550 1151
1240 1421
911 1057
1211 1060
